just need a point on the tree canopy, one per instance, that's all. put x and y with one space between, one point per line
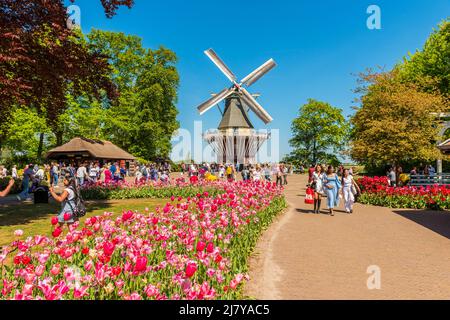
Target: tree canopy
319 133
394 123
42 59
432 63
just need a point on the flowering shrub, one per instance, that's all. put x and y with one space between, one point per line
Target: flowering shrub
375 191
193 248
373 184
123 190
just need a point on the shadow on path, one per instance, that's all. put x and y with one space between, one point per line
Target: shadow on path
437 221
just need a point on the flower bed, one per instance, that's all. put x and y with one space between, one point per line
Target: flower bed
122 191
377 192
193 248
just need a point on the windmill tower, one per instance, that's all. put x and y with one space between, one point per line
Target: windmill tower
236 140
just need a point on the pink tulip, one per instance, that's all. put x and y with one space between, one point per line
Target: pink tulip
18 233
40 269
55 269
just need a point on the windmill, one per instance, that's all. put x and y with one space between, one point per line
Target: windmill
236 140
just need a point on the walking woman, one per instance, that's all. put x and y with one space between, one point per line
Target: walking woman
67 199
349 189
279 175
317 185
332 185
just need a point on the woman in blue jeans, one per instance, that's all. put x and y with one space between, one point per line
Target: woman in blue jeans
332 185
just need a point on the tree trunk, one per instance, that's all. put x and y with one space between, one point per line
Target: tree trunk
41 146
59 138
314 152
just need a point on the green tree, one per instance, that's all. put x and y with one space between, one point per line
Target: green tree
319 133
26 129
394 123
143 119
430 67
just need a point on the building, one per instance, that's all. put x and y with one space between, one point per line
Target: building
82 149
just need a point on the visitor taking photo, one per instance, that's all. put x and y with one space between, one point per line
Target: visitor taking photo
67 199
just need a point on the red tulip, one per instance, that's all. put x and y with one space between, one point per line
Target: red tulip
210 247
108 248
85 251
127 215
201 246
67 216
17 259
141 264
116 271
191 268
57 232
54 221
26 260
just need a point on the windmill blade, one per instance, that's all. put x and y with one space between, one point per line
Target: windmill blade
221 65
256 107
215 100
258 73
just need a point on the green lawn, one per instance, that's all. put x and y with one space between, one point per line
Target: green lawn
35 219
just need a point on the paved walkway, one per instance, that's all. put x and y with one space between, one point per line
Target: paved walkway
307 256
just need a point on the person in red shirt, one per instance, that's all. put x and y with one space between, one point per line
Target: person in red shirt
311 171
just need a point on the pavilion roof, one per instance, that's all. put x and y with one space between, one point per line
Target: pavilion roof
88 148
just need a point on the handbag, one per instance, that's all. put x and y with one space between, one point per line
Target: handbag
309 198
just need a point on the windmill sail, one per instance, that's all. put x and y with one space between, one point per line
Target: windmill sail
259 73
221 65
256 107
215 100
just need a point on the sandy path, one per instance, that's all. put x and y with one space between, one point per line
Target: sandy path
306 256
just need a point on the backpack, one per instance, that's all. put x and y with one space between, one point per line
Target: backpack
80 208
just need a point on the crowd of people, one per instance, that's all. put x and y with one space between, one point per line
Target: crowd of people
249 172
52 174
325 181
398 178
335 185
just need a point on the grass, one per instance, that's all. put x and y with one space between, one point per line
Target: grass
35 219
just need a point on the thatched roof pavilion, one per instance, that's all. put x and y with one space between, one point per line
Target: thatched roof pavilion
88 149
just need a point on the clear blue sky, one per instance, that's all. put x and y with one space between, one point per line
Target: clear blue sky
318 45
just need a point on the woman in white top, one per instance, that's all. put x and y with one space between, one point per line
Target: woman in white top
317 185
67 199
349 189
221 171
257 174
